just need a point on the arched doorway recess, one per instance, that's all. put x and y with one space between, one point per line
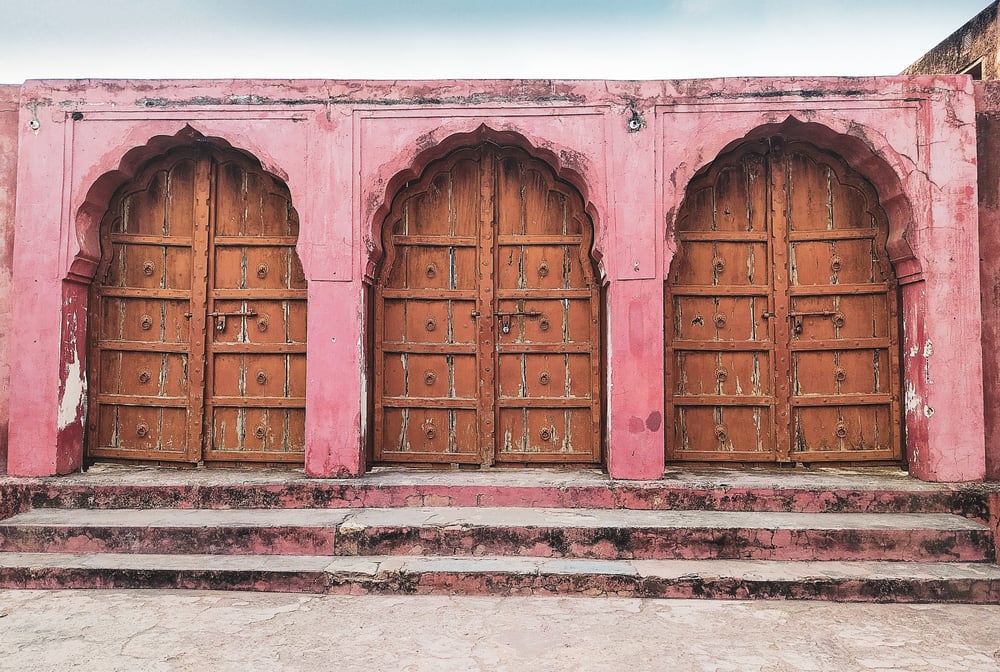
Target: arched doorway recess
487 317
781 313
197 327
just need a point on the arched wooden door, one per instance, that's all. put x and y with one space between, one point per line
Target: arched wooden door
487 325
781 318
198 316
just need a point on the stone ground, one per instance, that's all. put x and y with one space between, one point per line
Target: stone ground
191 630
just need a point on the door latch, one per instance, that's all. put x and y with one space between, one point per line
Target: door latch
504 318
220 317
798 315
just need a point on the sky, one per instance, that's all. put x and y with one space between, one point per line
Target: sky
436 39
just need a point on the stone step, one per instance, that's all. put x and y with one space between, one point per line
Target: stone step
732 492
476 531
820 489
859 581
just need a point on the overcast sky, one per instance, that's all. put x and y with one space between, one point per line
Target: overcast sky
396 39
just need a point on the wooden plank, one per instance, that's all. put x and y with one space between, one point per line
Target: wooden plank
846 234
137 400
219 401
840 399
713 290
782 206
722 400
413 401
838 289
429 295
440 240
842 344
542 403
534 239
145 293
263 294
723 236
432 348
224 241
723 346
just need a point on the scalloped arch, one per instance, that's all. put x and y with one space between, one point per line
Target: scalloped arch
860 157
95 204
483 134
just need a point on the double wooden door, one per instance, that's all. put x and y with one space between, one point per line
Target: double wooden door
198 317
781 318
487 329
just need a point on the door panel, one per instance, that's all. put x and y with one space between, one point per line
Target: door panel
796 364
487 290
199 244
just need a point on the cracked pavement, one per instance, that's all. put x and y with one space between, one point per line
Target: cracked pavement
194 630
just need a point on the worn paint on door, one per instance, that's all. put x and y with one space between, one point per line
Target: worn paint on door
198 317
781 318
487 317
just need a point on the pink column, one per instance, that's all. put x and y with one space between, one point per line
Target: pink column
36 412
942 318
335 398
635 334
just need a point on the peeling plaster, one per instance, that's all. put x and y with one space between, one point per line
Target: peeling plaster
928 351
913 401
71 406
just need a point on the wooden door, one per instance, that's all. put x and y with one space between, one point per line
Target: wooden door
781 319
487 321
197 327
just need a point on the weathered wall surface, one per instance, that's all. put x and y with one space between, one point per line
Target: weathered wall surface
9 96
988 126
976 40
343 147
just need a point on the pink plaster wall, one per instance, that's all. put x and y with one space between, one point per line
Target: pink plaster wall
9 96
342 147
988 127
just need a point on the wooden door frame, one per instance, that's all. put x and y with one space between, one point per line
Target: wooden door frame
774 150
207 158
490 142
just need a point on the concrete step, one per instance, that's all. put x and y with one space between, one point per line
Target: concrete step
476 531
860 581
